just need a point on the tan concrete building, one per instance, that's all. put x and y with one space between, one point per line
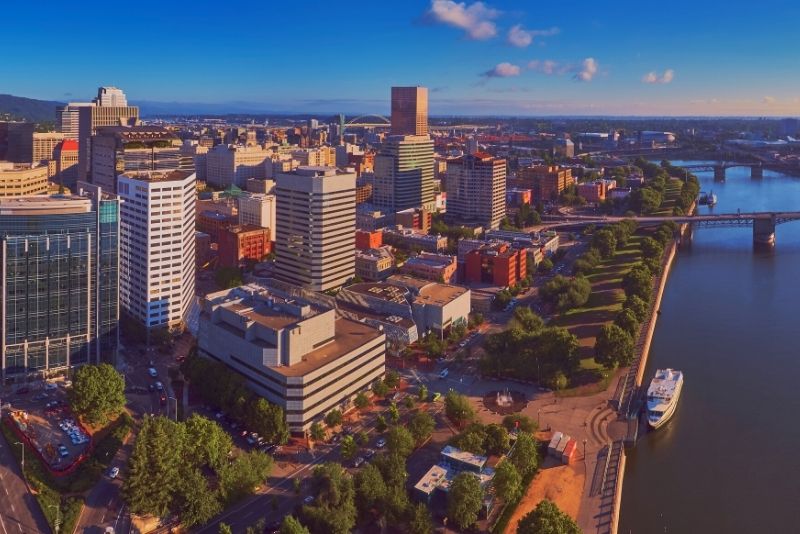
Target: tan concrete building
476 190
258 209
228 165
315 157
93 117
292 348
22 179
375 263
409 111
66 157
315 227
404 174
44 145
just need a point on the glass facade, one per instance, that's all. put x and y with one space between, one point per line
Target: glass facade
60 275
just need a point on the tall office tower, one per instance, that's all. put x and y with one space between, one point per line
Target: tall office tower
91 118
119 149
157 255
258 209
111 97
316 226
409 111
60 282
404 174
44 145
228 165
476 189
68 119
16 141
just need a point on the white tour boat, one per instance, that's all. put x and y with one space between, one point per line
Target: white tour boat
663 395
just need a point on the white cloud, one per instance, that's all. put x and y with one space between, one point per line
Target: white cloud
475 19
653 77
587 70
769 100
520 37
502 70
548 67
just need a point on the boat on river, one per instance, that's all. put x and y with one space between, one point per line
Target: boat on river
663 395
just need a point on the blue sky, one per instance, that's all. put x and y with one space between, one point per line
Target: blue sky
497 57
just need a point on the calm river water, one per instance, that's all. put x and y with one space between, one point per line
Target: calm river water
729 460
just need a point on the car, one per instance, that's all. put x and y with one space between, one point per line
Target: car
151 388
63 451
152 372
40 396
336 438
22 391
358 462
444 373
252 439
49 386
369 453
113 472
381 443
309 499
159 386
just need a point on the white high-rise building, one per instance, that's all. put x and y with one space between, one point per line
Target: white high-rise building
157 252
258 209
316 225
111 97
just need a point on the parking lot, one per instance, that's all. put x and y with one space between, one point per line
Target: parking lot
42 414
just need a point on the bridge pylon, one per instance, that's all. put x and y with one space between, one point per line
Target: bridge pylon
719 173
756 171
764 232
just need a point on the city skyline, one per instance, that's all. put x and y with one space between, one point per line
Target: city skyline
477 58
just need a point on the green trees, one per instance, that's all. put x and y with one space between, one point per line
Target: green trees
539 355
97 393
421 426
546 518
361 401
380 423
333 418
172 464
520 422
349 448
525 456
317 431
627 320
507 482
566 293
527 320
605 242
652 248
392 378
457 408
639 282
291 525
637 305
464 500
421 520
394 413
400 441
614 346
483 439
370 488
221 387
545 266
379 388
422 393
334 509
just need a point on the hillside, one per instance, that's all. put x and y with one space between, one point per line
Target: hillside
29 109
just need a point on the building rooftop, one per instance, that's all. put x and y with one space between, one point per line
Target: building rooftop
388 292
245 228
349 335
158 176
138 133
438 261
464 457
45 205
439 294
431 480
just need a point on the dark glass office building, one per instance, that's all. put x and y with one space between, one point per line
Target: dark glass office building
60 281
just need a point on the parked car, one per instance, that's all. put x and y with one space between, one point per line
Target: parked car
369 453
113 472
381 443
309 499
152 372
444 373
159 386
358 461
49 386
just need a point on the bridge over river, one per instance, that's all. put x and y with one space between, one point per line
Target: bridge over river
763 223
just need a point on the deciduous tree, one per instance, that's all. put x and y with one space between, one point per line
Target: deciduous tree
97 393
464 500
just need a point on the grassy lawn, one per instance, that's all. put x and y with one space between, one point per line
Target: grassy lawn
672 192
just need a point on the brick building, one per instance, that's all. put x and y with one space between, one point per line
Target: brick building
415 218
243 242
496 263
366 240
214 223
546 181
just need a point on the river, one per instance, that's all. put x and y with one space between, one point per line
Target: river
729 460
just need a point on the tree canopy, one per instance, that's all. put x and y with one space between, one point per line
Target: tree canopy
97 393
546 518
334 510
457 408
613 347
464 500
566 293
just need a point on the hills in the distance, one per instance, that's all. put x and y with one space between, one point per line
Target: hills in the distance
28 109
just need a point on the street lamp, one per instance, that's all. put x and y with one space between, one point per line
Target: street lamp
22 446
539 418
584 451
58 517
